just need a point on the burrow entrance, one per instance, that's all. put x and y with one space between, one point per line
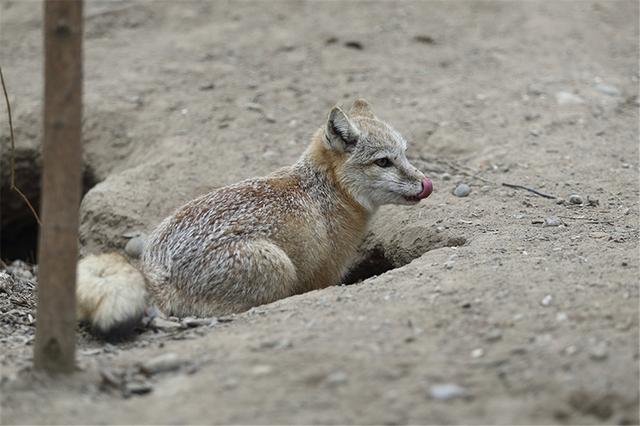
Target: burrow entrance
379 255
18 227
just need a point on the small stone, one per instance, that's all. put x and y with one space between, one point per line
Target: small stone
598 235
535 132
164 325
607 89
494 335
445 176
477 353
599 351
552 221
190 322
570 350
447 391
252 106
337 378
568 98
593 202
546 301
462 190
575 199
261 370
135 246
561 316
138 388
161 363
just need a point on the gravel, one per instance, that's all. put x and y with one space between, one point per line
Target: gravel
575 199
608 89
462 190
447 391
552 221
598 351
162 363
568 98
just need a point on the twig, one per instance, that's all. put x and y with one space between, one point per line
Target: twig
590 220
13 154
510 185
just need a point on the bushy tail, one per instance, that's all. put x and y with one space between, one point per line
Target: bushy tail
111 295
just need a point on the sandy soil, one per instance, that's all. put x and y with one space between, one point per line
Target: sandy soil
479 313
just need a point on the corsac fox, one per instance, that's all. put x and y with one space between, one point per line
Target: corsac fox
262 239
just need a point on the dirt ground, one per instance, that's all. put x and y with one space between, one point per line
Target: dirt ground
500 307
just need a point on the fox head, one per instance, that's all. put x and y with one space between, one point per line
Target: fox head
369 160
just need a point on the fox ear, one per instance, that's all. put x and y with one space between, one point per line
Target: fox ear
340 133
361 108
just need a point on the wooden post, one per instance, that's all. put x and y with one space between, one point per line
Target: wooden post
61 187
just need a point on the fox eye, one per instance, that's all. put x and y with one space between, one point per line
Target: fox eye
383 162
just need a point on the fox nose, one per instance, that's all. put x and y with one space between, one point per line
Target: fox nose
427 188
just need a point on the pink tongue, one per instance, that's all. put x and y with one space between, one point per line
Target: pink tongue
427 188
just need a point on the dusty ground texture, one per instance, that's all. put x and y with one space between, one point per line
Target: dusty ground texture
484 314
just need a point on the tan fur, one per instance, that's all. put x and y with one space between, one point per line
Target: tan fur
293 231
110 291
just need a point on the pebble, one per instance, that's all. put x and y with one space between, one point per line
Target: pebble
165 325
607 89
546 301
598 352
135 246
252 106
337 378
137 388
447 391
598 235
568 98
552 221
477 353
494 335
445 176
261 370
190 322
162 363
575 199
462 190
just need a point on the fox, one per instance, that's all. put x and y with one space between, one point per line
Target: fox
263 239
